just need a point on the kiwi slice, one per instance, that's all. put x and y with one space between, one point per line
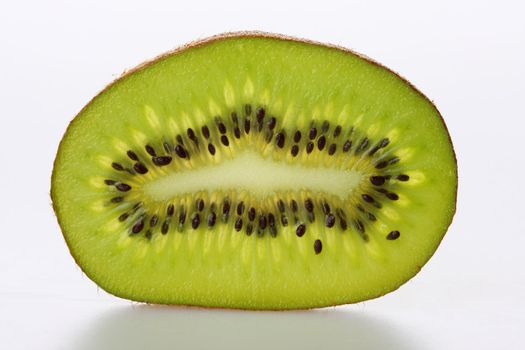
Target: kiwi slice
255 171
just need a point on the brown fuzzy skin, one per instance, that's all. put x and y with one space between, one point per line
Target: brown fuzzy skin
249 34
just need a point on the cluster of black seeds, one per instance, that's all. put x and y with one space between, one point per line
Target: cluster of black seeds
320 137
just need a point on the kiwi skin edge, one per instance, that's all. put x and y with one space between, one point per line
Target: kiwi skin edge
253 34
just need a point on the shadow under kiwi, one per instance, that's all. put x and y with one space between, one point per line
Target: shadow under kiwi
162 327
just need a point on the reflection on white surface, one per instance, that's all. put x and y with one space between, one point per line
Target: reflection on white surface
157 327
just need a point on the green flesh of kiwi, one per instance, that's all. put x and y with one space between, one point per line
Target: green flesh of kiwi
255 171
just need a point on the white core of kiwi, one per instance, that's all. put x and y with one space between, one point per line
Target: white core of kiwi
250 171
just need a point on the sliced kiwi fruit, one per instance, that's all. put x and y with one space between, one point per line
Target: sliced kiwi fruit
255 171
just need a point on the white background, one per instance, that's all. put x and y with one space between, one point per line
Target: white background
469 57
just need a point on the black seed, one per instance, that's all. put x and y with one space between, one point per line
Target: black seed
179 139
140 168
332 149
273 231
359 225
132 155
381 144
343 224
148 234
279 140
326 208
205 131
122 187
139 225
110 182
240 208
392 196
311 216
123 217
337 130
309 205
259 114
211 149
340 213
377 180
167 147
284 220
170 210
199 204
271 220
384 142
330 220
280 205
235 119
393 160
251 214
262 221
181 152
153 221
325 127
381 164
237 132
362 146
297 136
238 224
226 207
293 205
117 199
371 217
318 246
222 128
301 229
182 216
321 142
117 166
381 190
347 146
247 125
269 136
151 151
165 227
367 198
295 150
248 109
224 140
385 163
402 177
309 147
211 219
195 222
225 217
393 235
373 151
162 160
271 123
249 229
313 133
191 135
